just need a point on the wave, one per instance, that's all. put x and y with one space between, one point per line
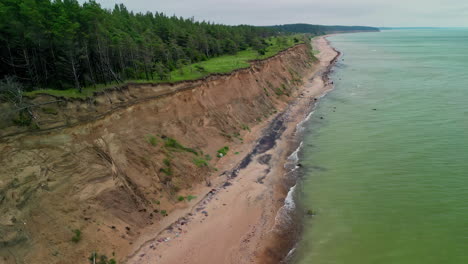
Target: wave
284 217
295 155
300 127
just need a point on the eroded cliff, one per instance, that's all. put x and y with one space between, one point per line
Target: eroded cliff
109 166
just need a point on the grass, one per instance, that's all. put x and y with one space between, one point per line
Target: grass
228 63
200 162
175 145
216 65
152 140
190 198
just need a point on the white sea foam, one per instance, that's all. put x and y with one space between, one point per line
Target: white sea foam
289 203
295 155
290 253
301 125
284 216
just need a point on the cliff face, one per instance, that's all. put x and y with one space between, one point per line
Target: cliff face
114 164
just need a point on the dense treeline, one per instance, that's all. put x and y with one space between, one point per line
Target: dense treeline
320 29
63 44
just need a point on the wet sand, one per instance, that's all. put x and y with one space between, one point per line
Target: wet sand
236 222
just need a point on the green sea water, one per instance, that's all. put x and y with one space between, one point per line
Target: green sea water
390 185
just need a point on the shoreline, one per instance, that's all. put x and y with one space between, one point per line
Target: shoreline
288 233
236 222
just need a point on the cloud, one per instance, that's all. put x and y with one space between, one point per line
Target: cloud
344 12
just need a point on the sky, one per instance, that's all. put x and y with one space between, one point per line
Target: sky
382 13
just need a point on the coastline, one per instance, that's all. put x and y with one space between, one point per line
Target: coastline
240 221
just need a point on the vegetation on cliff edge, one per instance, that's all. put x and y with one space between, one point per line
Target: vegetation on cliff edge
76 49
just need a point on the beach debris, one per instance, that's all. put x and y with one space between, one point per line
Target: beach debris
226 184
264 159
164 239
260 179
207 182
205 213
310 212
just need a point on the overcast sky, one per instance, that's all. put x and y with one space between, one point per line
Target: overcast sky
441 13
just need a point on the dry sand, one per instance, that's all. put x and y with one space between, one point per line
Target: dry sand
235 222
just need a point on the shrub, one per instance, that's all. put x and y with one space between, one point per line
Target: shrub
50 110
77 237
164 212
223 151
95 258
23 119
180 198
245 127
278 91
167 171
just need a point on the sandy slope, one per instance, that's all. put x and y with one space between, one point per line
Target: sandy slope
235 223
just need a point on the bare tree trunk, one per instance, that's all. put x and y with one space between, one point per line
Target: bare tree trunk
74 71
28 66
122 64
12 61
88 61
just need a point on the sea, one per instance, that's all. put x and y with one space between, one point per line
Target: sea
385 154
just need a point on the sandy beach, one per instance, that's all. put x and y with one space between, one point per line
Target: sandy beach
236 221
